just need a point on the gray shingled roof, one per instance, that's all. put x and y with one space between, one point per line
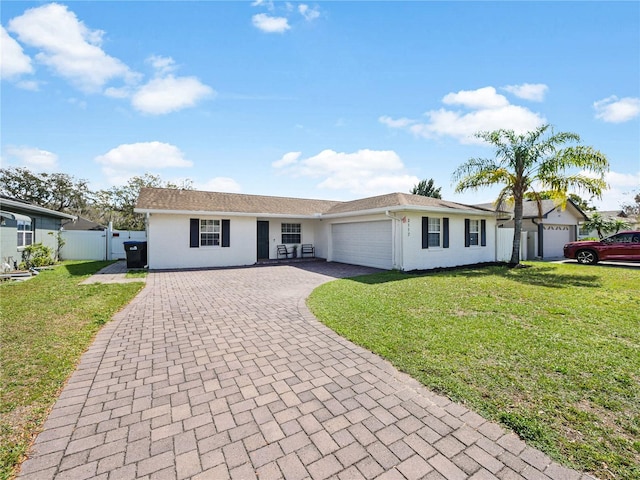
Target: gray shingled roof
198 201
530 208
396 200
165 199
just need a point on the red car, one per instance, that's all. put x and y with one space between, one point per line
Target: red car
621 246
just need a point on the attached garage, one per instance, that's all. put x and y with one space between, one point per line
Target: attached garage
555 236
363 243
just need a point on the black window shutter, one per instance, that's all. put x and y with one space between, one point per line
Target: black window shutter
194 231
425 232
226 233
445 232
483 233
467 240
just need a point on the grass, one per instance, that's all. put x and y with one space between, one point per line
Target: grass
136 274
46 323
551 351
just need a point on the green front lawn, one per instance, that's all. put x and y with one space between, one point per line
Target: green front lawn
46 323
551 351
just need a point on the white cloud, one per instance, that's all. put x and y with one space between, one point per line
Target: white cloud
219 184
307 12
162 65
68 47
481 98
622 189
398 123
263 3
169 94
615 110
483 110
269 24
125 160
534 92
34 158
287 159
13 61
365 172
32 85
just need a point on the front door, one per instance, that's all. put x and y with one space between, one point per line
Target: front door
263 240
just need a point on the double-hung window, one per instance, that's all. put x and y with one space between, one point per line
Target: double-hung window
25 233
474 232
434 232
209 233
291 233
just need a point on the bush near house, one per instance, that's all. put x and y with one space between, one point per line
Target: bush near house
36 255
550 351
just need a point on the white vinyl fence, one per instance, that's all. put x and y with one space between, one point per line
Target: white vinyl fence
504 244
97 245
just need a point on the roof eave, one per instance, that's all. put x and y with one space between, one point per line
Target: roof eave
36 209
224 213
412 208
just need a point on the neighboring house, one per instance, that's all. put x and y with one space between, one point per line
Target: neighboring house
547 228
632 220
196 229
82 224
23 224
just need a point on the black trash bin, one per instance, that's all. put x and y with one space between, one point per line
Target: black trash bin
136 254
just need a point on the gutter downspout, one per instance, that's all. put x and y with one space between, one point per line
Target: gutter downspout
394 246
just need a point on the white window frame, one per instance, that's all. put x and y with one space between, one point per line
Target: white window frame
210 232
291 229
434 230
25 233
474 233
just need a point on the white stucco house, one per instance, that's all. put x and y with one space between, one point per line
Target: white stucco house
548 228
197 229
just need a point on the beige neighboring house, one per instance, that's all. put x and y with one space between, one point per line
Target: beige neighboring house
197 229
632 220
547 229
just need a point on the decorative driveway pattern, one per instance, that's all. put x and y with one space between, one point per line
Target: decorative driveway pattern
217 374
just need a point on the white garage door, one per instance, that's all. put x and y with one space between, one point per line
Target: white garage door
555 236
363 243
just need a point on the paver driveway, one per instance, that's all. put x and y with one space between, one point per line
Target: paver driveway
225 374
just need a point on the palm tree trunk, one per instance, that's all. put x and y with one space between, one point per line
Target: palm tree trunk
517 232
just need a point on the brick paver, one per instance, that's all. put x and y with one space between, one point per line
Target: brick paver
216 374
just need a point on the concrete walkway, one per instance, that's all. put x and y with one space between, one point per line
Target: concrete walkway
114 273
218 374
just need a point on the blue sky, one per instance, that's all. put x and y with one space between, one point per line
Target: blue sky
332 100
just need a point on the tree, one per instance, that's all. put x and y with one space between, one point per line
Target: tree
56 191
598 223
117 203
580 202
538 157
426 189
604 225
631 208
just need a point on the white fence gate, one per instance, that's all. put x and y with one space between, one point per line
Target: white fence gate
118 238
97 245
504 244
84 245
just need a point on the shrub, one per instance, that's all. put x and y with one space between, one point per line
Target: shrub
36 255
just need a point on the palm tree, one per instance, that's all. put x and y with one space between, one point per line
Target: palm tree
426 189
538 158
